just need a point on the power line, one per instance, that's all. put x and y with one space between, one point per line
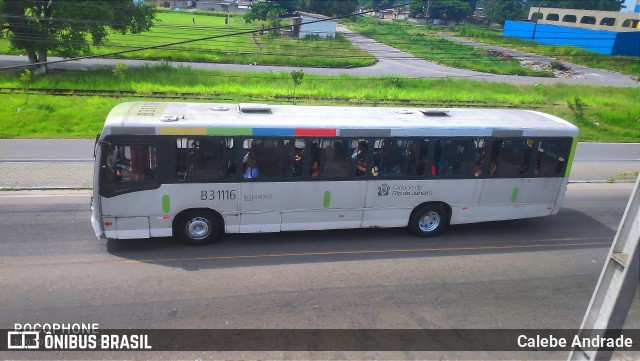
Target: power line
387 54
440 55
194 40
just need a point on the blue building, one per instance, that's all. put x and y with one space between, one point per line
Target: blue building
604 32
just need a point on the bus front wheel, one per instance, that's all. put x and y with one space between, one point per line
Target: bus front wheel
197 228
428 220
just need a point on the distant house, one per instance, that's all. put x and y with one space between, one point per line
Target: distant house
605 32
386 14
224 6
391 14
172 4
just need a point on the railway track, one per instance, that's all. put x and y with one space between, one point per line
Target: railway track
220 97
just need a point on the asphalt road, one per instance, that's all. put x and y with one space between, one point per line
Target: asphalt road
533 273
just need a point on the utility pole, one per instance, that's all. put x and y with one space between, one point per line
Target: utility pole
535 26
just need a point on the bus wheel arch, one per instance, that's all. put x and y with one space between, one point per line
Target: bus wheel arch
429 219
198 226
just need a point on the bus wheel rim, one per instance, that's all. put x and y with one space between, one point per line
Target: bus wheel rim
198 228
429 221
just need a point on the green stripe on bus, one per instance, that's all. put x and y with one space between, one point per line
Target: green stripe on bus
166 203
571 154
514 194
229 131
326 202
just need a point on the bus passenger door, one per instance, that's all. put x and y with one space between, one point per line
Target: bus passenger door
324 205
333 195
291 206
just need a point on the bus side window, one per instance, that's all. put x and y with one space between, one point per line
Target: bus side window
511 157
454 157
400 157
334 160
203 158
265 158
272 159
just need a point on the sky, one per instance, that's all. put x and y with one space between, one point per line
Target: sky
631 4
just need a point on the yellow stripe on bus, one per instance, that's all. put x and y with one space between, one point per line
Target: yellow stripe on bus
182 131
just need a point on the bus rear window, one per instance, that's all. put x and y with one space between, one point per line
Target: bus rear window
552 157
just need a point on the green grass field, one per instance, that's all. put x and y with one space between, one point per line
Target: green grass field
244 48
600 116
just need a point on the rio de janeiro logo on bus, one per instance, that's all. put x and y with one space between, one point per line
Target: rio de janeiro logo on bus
383 190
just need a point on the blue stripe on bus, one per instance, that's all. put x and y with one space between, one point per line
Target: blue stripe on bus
282 132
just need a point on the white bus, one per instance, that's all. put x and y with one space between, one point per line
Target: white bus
197 170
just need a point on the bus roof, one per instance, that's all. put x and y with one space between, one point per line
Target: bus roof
172 118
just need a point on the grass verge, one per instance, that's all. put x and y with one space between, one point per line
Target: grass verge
622 64
599 115
420 42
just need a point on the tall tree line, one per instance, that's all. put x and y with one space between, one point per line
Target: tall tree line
497 10
500 10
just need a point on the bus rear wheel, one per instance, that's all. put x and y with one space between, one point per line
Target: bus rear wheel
428 220
198 228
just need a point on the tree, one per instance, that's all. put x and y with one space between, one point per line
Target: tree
328 7
261 10
378 4
498 11
70 28
450 9
418 9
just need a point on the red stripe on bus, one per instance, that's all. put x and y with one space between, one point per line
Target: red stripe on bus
316 132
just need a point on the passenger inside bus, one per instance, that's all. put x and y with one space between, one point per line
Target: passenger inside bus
298 162
477 169
132 163
315 169
315 159
252 171
361 158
